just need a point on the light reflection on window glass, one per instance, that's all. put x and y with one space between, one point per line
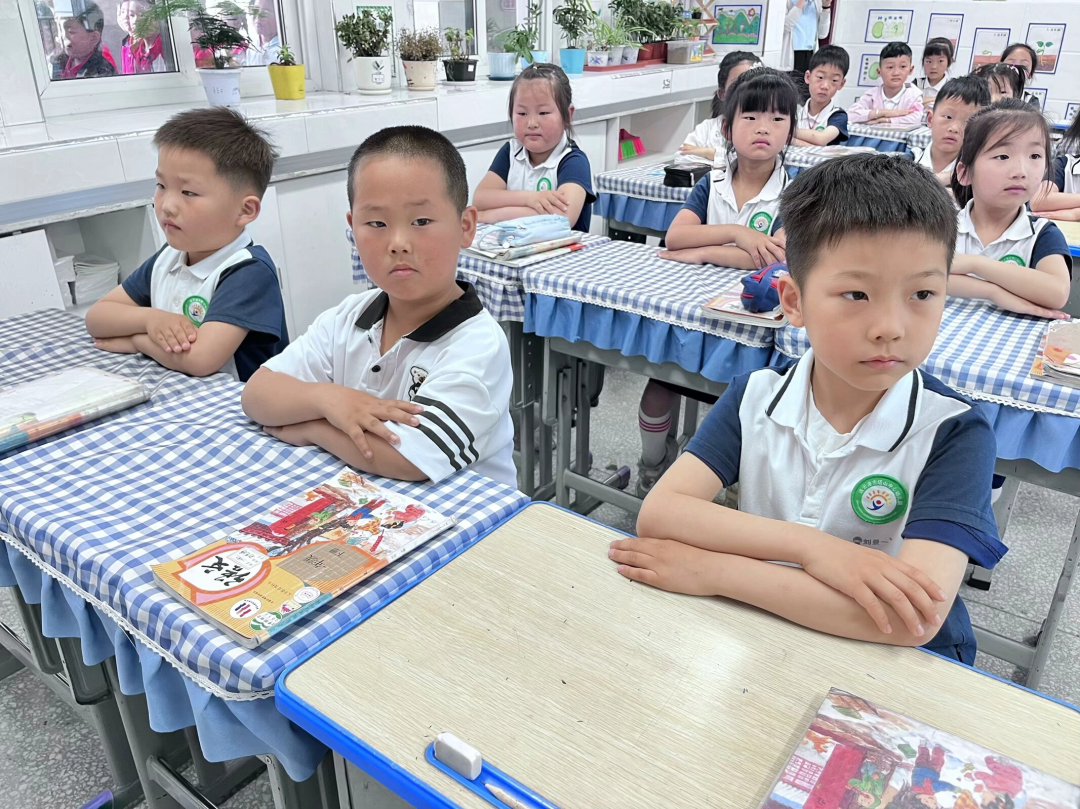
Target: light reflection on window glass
258 20
83 39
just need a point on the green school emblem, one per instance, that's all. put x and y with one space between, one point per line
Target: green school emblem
878 499
761 222
195 309
543 184
1012 258
820 128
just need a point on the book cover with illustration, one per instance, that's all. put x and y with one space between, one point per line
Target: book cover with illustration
858 754
57 402
728 305
1057 359
258 579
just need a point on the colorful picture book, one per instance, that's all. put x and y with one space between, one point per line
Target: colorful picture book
728 305
60 401
522 256
258 579
1057 359
858 754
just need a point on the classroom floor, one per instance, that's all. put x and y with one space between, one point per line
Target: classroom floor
50 759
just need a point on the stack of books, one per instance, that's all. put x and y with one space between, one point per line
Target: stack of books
523 255
1057 359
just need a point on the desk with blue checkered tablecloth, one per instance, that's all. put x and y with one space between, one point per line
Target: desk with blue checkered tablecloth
636 195
87 514
885 138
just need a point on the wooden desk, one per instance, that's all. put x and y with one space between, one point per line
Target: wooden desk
598 692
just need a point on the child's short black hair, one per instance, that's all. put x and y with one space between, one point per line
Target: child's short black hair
414 142
559 84
894 50
727 64
830 55
1022 46
239 151
939 46
862 194
968 89
762 89
1003 74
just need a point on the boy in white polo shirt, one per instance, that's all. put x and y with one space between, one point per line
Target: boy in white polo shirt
867 478
209 300
955 102
420 350
823 122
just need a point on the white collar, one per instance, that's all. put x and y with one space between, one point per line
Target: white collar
770 191
883 429
895 98
1019 229
205 268
1075 164
552 162
937 86
825 113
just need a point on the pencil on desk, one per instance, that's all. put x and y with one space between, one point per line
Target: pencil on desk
507 798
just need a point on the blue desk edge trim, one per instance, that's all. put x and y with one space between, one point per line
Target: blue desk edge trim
403 783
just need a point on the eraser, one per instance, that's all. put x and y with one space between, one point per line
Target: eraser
460 757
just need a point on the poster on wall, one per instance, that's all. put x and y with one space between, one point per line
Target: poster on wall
869 70
1071 110
739 25
988 45
888 25
1039 93
948 26
1046 38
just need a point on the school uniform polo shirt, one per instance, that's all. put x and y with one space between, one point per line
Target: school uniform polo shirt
713 201
930 91
1067 173
238 284
924 159
918 466
1026 242
709 134
832 115
457 365
566 164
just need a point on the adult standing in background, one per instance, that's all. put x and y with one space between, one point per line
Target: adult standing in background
806 22
266 26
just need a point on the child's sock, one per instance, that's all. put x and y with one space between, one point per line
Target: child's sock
654 430
995 488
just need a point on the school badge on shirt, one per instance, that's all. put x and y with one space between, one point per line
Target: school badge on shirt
195 309
761 222
543 184
1012 258
879 499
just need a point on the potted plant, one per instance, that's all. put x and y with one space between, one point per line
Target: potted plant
460 66
419 52
502 61
574 18
523 40
210 33
366 36
287 76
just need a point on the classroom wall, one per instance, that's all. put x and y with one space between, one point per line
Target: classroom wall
1062 88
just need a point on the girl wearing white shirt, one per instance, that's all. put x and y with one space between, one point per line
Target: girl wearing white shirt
937 58
1062 197
707 141
1003 253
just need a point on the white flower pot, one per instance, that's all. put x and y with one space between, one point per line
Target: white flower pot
372 74
615 56
597 59
501 66
222 86
420 75
630 55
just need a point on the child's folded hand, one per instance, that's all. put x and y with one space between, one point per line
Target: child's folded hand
295 434
174 333
356 413
1014 303
873 578
550 202
666 565
763 248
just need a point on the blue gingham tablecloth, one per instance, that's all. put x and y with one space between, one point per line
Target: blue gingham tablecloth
920 138
806 156
97 508
881 138
497 285
632 278
983 352
644 181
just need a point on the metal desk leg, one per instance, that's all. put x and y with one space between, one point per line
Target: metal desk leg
9 664
319 791
358 790
978 576
1057 605
521 406
564 391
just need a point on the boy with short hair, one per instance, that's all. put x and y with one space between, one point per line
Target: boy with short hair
956 101
822 122
419 350
867 477
209 300
82 44
895 101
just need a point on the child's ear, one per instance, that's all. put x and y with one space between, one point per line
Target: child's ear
790 299
250 207
348 218
962 174
930 116
571 112
468 225
806 77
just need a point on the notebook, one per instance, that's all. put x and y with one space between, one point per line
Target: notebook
727 305
858 754
57 402
1057 359
256 580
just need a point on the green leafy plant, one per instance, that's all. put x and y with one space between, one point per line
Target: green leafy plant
458 43
523 39
666 21
149 22
574 17
210 31
365 34
606 36
285 57
422 45
213 32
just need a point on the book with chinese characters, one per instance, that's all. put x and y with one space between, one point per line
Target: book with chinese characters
728 305
856 753
254 581
1057 359
60 401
